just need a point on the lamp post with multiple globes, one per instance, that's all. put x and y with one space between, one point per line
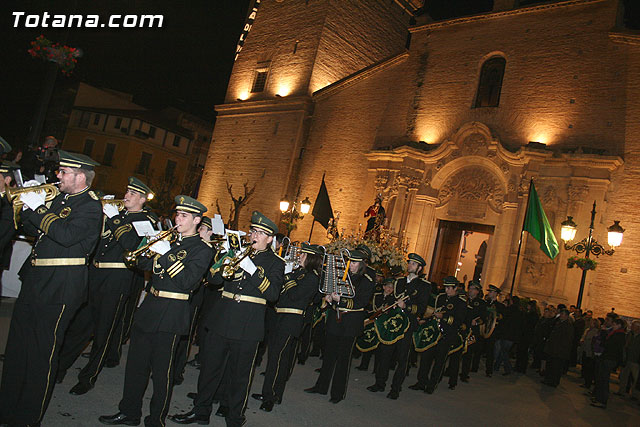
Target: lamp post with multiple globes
290 213
589 245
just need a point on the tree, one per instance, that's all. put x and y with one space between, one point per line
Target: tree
238 204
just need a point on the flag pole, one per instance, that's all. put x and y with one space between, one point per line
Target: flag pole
311 232
526 211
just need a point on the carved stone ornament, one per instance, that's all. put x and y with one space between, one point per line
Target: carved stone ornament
381 182
549 196
440 164
408 181
473 143
577 192
476 184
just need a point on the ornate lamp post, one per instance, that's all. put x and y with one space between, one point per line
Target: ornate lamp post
589 245
290 213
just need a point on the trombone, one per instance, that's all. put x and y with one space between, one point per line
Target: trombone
131 257
13 194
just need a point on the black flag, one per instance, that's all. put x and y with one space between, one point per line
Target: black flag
322 211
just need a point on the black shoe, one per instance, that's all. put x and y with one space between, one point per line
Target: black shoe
429 389
189 418
86 355
317 370
464 379
362 368
179 379
195 363
301 361
506 374
60 377
489 375
222 411
313 390
393 394
80 389
119 419
417 386
599 405
267 406
375 388
334 400
111 363
278 400
192 395
257 396
452 387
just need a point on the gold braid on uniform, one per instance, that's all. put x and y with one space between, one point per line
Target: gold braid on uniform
265 282
175 268
121 230
46 222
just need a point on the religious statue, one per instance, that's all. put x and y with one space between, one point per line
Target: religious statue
377 215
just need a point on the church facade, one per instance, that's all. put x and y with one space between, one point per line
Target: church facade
448 121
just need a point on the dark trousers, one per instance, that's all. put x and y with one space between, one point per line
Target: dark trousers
318 339
184 345
553 371
385 356
489 348
279 363
522 356
588 370
304 343
603 376
31 360
98 318
454 367
366 358
123 328
150 354
502 350
238 358
336 365
432 362
469 359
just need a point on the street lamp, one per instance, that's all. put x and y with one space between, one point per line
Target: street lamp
290 212
589 245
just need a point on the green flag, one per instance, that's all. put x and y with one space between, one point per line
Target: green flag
537 224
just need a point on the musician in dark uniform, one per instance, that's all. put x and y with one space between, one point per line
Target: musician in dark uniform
411 293
489 343
109 285
343 331
300 286
177 269
236 327
476 316
54 286
451 311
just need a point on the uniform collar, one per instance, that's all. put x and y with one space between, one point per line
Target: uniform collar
78 193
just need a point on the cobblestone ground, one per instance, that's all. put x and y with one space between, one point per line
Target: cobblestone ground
503 401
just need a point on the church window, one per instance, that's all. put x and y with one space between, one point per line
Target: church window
490 83
260 81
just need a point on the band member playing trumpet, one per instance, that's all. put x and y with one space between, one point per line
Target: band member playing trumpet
416 291
300 286
236 325
342 331
476 316
451 311
7 230
110 283
177 269
54 286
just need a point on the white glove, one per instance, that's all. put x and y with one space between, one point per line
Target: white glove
110 210
33 199
161 247
247 265
31 183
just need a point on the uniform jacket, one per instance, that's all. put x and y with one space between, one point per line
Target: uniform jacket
69 228
454 312
476 309
351 323
418 291
243 320
179 270
118 236
300 287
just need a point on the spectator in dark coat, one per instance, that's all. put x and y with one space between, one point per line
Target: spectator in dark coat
578 330
510 334
609 361
558 348
530 319
540 335
588 356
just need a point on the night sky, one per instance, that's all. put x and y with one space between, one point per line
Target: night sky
185 64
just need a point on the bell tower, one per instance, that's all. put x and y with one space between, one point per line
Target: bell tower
289 50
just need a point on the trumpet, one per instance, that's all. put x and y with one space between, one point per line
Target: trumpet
131 257
118 203
230 269
13 194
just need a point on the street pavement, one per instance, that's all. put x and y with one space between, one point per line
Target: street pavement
515 400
